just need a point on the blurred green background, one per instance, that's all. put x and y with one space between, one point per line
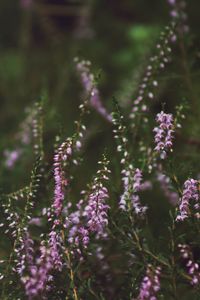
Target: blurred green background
39 40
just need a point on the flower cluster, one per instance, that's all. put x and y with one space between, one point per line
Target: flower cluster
10 201
35 270
62 159
54 244
63 153
164 134
190 194
150 285
78 235
149 82
25 253
88 82
96 209
91 215
132 179
193 268
36 282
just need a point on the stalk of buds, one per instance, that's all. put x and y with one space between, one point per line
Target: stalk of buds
149 83
178 15
131 177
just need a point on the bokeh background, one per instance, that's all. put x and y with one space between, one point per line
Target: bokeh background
40 38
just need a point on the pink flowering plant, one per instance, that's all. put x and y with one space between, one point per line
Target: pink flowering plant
107 207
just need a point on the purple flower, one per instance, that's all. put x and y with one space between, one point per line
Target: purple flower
150 285
88 220
35 267
36 282
55 248
96 210
25 254
34 270
63 153
164 134
193 268
132 185
91 216
190 193
88 82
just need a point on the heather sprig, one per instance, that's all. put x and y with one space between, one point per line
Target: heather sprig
91 216
192 267
36 281
19 219
26 196
130 200
149 83
150 285
190 199
164 134
63 153
37 129
131 176
62 158
96 208
90 87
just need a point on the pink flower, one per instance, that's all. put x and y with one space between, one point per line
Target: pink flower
164 134
150 285
190 196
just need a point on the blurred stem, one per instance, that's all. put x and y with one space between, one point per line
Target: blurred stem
70 269
141 248
187 75
172 260
71 275
26 28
